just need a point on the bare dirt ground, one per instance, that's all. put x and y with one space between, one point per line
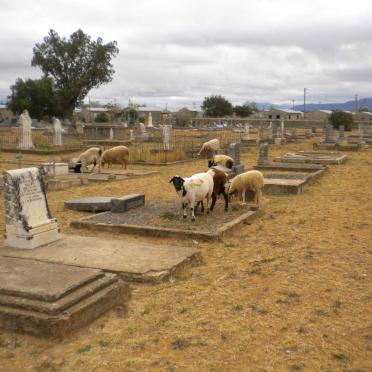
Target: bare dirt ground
291 291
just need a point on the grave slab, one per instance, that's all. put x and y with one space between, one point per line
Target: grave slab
131 261
52 300
106 203
337 146
314 157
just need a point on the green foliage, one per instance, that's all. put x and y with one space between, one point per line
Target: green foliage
243 111
102 117
338 118
217 106
113 110
77 65
38 96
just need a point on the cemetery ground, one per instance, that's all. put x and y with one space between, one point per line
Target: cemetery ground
289 291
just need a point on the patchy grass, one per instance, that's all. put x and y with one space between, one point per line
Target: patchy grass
224 315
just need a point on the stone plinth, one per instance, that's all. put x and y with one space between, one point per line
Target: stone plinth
55 169
29 223
123 204
52 300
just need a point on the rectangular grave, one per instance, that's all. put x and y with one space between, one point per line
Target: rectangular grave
313 157
52 300
28 221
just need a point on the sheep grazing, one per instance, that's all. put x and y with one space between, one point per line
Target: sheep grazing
88 157
115 155
192 190
252 180
210 148
220 181
224 160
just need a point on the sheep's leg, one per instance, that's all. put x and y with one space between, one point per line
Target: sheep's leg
125 163
184 205
208 197
243 195
226 197
214 198
192 207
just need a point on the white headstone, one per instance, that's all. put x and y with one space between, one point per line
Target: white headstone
131 135
57 132
282 129
28 222
246 131
111 134
166 136
150 120
26 136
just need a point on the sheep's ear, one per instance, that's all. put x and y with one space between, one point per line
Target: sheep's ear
171 180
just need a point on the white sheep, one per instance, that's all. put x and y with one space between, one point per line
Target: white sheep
88 157
193 190
224 160
252 180
115 155
209 148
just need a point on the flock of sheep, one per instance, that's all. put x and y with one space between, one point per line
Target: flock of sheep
209 185
194 190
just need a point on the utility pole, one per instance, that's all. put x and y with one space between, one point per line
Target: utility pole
305 89
293 101
356 103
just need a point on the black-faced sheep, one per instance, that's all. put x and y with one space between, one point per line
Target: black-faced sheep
88 157
192 190
209 148
115 155
252 180
224 160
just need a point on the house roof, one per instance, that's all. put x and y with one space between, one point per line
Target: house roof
287 111
329 112
149 108
365 113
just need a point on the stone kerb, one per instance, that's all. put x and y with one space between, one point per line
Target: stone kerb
28 220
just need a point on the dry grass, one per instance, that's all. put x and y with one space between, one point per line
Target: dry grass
290 291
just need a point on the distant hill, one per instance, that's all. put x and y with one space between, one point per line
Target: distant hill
346 106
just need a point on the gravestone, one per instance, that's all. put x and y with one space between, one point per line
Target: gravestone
28 222
263 158
260 135
235 154
26 135
150 121
57 132
111 134
166 136
246 131
282 129
131 135
341 133
274 130
329 134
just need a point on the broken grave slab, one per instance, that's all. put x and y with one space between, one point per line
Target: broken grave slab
131 261
52 300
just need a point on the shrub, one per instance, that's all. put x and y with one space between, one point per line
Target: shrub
102 117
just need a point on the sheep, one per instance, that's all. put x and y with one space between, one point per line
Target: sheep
224 160
117 154
193 189
88 157
220 180
252 180
209 148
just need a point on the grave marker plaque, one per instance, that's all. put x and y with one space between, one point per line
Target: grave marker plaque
28 221
341 132
329 134
263 155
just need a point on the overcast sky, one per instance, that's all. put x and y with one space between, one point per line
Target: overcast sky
176 52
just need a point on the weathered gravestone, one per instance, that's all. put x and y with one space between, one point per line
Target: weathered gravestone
111 134
246 131
28 221
26 135
166 136
57 132
329 134
263 158
235 154
341 133
150 121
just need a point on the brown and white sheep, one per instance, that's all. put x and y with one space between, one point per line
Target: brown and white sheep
115 155
220 181
224 160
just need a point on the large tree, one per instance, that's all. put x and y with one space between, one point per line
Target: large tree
338 118
38 96
216 106
77 65
243 111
